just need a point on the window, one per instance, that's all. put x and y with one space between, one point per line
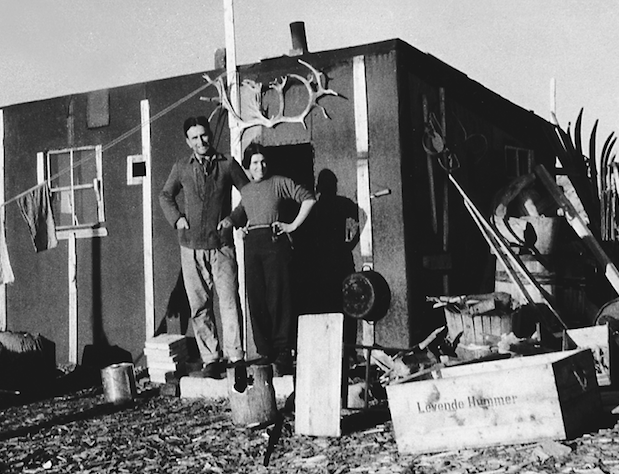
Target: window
75 180
518 161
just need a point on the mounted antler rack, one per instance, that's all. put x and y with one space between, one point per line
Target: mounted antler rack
253 110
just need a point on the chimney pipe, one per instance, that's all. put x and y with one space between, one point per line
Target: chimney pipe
299 41
220 58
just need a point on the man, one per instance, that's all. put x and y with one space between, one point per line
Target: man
208 259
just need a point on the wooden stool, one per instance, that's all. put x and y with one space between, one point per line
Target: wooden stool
252 401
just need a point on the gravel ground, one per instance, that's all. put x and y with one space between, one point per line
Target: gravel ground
79 432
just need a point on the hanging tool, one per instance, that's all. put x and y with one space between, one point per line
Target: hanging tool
429 131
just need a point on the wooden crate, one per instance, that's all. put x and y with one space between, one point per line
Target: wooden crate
477 328
603 347
518 400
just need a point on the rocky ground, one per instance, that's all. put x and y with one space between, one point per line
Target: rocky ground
78 432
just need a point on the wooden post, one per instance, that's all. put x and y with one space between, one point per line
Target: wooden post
235 147
254 403
147 230
363 180
72 272
72 252
553 101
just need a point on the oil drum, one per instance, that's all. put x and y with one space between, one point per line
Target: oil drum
366 295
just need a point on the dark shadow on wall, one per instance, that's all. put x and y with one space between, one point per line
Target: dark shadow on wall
330 234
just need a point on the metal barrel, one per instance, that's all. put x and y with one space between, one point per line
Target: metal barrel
119 383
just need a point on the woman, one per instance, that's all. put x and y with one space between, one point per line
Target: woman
268 256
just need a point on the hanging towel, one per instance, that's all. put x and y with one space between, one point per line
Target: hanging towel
6 272
37 211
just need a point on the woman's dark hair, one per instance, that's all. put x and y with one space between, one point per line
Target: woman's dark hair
193 121
251 150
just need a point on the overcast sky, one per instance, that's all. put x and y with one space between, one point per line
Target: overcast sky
56 47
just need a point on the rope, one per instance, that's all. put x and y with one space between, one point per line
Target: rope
106 147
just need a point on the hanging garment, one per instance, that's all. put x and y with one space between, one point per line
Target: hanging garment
36 209
6 271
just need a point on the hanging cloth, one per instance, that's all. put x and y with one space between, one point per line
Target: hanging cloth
6 271
36 209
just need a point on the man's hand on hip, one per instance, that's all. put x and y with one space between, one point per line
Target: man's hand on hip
182 223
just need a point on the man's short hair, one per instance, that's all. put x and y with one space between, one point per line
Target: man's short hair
193 121
251 150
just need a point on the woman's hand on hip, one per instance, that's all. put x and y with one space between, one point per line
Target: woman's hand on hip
282 228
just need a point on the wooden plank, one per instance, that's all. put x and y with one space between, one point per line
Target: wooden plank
454 323
318 388
236 135
484 404
147 223
469 331
72 272
363 166
362 141
597 338
478 329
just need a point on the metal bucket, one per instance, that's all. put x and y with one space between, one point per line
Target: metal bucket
119 383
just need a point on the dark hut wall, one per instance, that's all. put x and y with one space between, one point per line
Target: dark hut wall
109 269
470 109
168 144
110 273
334 144
37 300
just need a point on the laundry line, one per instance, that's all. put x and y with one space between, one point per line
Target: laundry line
109 145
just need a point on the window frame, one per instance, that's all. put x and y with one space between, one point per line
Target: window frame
90 230
517 156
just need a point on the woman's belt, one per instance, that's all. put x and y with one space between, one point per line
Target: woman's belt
258 226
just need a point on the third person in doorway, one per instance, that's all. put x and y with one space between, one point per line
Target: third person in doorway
268 256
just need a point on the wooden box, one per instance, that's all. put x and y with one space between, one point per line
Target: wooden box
599 340
479 318
517 400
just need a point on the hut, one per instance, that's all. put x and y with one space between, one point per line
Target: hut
107 153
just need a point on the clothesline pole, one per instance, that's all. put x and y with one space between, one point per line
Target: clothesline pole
235 145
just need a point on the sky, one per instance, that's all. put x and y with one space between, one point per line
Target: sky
51 48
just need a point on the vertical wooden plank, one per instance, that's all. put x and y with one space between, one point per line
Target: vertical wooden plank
72 271
467 327
72 249
363 171
478 328
318 388
147 230
235 146
3 315
363 179
454 323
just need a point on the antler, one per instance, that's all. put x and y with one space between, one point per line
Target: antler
255 114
